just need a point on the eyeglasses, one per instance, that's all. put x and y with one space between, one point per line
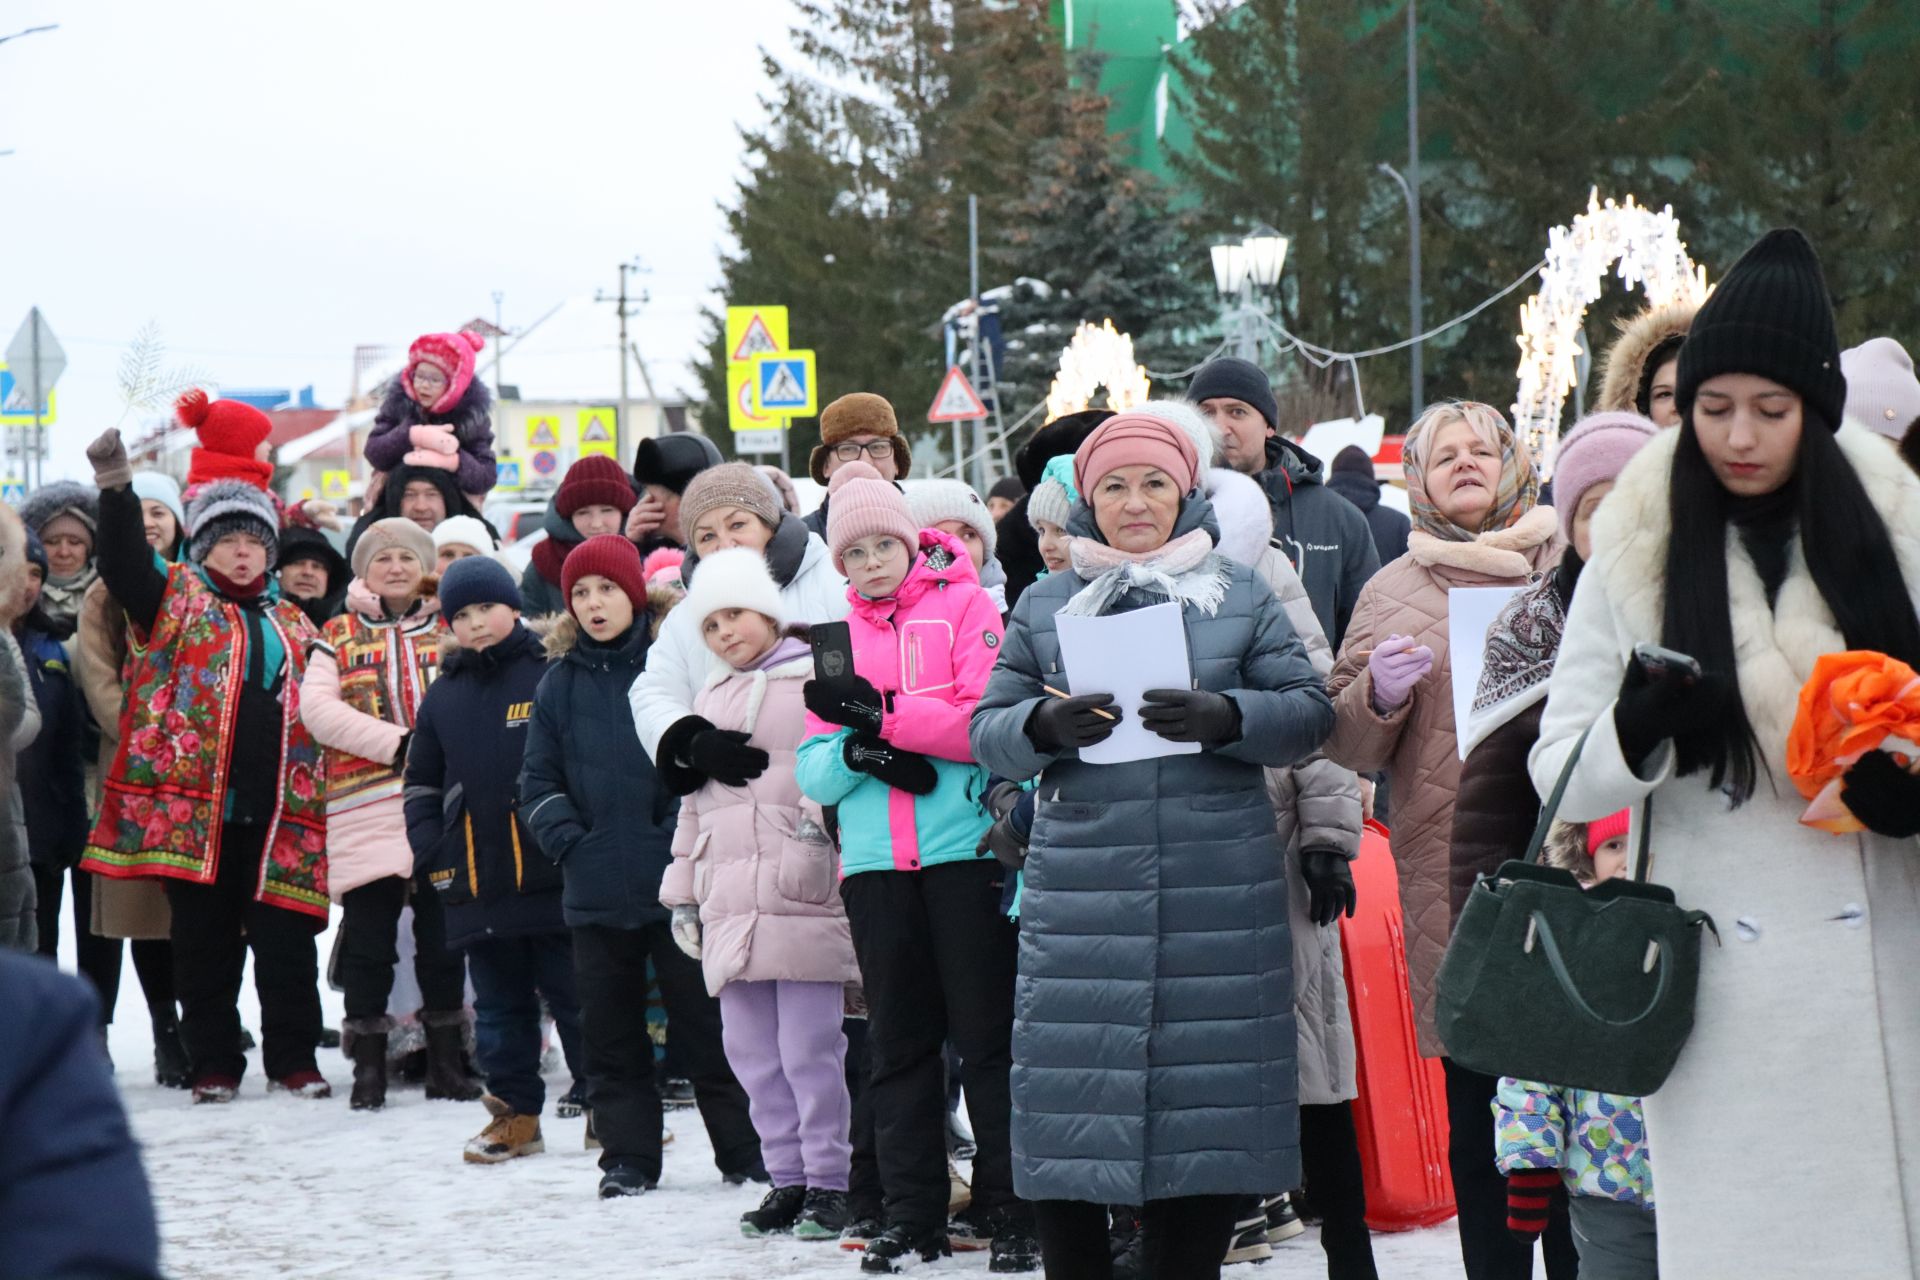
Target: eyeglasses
848 450
856 557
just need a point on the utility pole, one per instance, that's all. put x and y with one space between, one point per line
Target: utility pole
1416 371
973 291
500 333
620 301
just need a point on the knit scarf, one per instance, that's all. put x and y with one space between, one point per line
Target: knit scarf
247 595
1184 569
62 597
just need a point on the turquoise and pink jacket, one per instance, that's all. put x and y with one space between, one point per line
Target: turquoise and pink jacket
928 649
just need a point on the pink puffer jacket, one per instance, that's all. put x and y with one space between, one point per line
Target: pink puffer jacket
754 858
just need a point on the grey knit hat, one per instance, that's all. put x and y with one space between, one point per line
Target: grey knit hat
1048 502
932 501
222 507
394 531
62 497
731 484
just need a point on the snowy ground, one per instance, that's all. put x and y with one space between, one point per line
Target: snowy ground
272 1187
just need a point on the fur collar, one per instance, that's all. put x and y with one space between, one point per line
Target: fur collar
1774 649
1510 553
1245 517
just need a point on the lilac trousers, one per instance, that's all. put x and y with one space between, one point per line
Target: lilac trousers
784 1042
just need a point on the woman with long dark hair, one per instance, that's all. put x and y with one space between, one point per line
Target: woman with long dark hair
1759 536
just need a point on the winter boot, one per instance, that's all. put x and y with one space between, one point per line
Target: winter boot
676 1094
573 1102
369 1062
214 1088
861 1229
446 1075
171 1070
894 1249
508 1135
823 1216
1249 1240
624 1180
778 1211
1014 1249
1282 1222
307 1083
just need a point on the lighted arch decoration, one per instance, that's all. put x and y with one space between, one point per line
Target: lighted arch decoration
1643 248
1096 358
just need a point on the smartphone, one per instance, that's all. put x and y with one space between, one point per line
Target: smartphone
832 650
1665 664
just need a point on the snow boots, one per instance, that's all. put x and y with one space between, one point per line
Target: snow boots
778 1211
1283 1222
507 1136
823 1216
215 1089
369 1062
624 1180
302 1084
446 1042
894 1249
171 1070
1249 1240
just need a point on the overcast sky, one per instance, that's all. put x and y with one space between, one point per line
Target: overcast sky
277 182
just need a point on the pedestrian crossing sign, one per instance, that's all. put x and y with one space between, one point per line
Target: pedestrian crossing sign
12 492
755 331
784 384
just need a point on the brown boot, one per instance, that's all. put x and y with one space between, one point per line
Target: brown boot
369 1054
446 1041
506 1136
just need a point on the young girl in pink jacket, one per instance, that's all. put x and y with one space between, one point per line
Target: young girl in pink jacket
756 900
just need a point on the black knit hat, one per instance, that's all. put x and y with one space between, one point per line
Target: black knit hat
1770 315
673 459
1237 380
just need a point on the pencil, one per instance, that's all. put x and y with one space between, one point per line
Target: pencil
1104 715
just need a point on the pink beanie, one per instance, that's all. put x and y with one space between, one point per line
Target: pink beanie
1595 451
1132 440
1601 830
1882 392
861 504
453 355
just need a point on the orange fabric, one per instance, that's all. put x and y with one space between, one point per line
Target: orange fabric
1852 704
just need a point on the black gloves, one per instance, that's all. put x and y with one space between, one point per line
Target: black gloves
1068 724
1652 709
1000 839
851 701
1883 795
907 771
724 756
1191 715
1330 891
400 752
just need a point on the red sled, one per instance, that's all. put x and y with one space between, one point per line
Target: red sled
1401 1114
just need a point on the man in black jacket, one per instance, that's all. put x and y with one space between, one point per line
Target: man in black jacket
1323 534
1353 479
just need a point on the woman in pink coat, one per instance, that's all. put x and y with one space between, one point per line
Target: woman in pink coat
755 898
363 687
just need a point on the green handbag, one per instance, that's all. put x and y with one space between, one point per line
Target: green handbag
1588 988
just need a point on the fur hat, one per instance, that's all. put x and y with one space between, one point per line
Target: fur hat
1057 438
731 484
595 480
673 460
231 433
1053 498
1646 341
476 580
453 355
1229 377
1599 445
1882 392
157 486
463 531
859 413
859 505
394 531
62 497
1136 438
736 578
931 501
611 556
221 507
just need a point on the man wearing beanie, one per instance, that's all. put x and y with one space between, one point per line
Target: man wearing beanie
594 498
424 495
1352 478
312 574
663 467
599 809
859 427
1325 537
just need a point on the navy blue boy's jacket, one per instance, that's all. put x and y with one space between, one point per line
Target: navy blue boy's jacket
469 844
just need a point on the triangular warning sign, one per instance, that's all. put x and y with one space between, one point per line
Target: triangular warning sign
756 341
957 401
541 435
785 389
595 429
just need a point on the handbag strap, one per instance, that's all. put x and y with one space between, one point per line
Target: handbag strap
1536 847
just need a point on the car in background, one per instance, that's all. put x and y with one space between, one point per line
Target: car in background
518 520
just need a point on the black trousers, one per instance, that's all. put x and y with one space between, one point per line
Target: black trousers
1330 1160
97 958
213 927
1184 1238
369 929
1488 1249
866 1197
937 960
611 968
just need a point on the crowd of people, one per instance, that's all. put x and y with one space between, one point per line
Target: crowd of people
826 787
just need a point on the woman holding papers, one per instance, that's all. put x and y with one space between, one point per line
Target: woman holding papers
1471 484
1153 1035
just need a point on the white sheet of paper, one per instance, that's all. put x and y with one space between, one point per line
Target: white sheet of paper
1126 654
1470 613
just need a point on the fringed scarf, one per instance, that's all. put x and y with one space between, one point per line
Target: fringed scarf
1519 487
1184 570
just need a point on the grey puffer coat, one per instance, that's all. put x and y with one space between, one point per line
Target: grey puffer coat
19 723
1154 1027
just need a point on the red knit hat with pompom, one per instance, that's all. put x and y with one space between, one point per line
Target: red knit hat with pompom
231 433
453 355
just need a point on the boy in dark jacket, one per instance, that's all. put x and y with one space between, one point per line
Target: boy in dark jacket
502 901
592 797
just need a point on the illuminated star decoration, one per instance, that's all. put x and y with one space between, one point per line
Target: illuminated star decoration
1096 358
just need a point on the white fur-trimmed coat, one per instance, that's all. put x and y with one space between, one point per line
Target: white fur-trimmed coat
1800 1085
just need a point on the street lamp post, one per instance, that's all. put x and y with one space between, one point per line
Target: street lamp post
1243 273
1415 371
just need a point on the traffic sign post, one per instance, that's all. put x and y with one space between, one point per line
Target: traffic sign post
37 360
784 384
12 492
545 462
597 433
956 401
334 485
506 475
755 331
768 441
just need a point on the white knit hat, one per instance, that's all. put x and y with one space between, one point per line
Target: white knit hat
1882 392
1199 428
736 578
466 531
932 501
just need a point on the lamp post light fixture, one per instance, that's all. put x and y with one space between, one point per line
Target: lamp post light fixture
1242 273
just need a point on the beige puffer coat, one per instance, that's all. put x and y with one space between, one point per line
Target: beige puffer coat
1417 743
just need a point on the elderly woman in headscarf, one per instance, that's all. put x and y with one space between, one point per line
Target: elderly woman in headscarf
1476 523
64 515
1154 1027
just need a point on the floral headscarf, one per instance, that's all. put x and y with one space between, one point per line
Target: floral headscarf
1519 487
